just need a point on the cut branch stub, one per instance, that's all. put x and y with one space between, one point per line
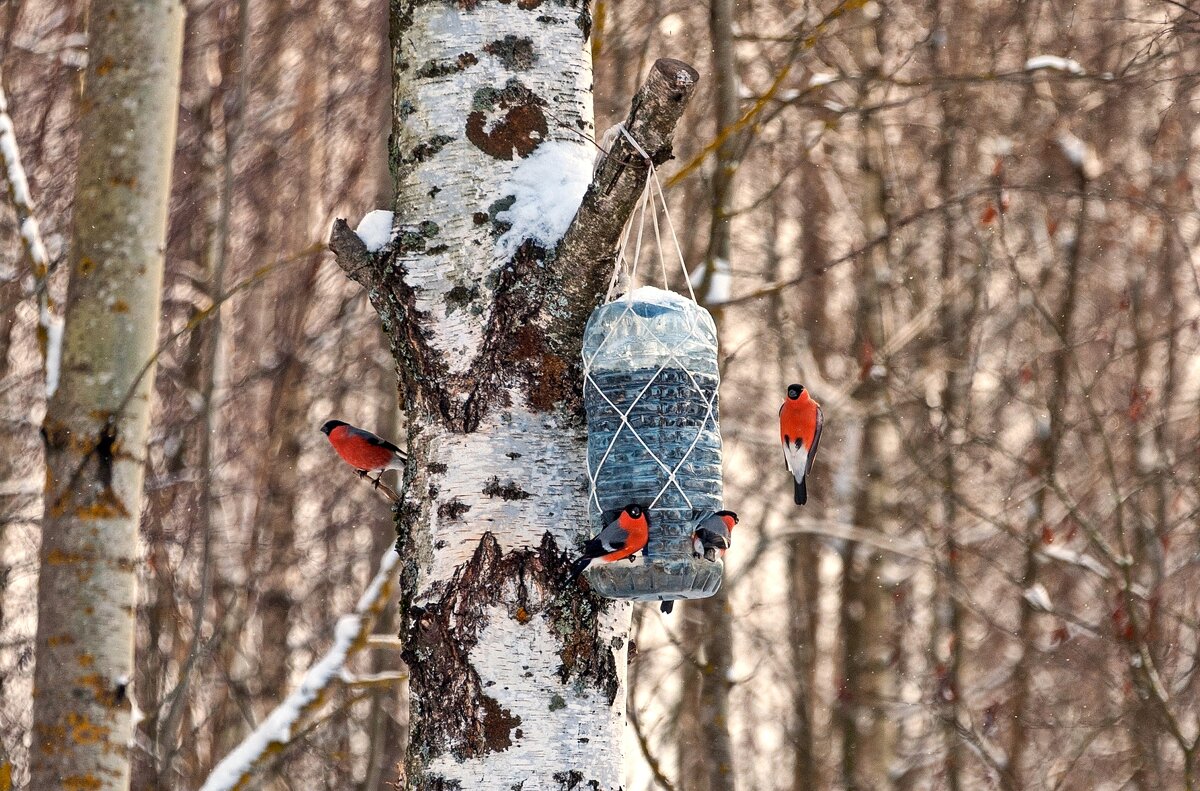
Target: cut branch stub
588 249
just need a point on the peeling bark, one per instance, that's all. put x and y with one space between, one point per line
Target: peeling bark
516 680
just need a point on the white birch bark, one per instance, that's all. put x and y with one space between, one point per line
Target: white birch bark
97 422
517 681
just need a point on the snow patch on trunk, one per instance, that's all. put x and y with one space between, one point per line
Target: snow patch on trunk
548 187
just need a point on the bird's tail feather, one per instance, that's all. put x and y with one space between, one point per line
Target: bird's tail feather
801 492
667 606
577 568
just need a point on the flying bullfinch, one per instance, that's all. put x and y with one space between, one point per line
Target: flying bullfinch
362 450
800 423
625 533
714 534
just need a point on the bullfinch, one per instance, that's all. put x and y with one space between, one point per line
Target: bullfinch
625 533
714 534
800 423
710 539
362 450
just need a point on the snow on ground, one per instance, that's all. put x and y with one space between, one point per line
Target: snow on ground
548 186
375 229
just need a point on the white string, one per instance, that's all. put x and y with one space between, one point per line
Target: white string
647 203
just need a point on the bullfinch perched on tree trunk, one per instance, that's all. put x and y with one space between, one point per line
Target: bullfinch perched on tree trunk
625 534
800 423
714 534
362 450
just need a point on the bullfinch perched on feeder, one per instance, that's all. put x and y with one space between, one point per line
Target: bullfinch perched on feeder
710 539
625 534
362 450
800 423
714 534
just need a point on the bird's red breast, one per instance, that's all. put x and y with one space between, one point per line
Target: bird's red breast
639 533
798 420
729 522
357 451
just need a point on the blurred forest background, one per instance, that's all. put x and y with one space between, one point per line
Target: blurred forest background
968 226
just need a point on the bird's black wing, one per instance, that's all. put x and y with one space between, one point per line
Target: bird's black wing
812 452
375 439
710 538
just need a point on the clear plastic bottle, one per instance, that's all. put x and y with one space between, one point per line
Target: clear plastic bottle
659 349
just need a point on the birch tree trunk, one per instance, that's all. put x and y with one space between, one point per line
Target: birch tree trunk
97 422
517 680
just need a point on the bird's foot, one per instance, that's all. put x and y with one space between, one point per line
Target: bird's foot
361 473
376 480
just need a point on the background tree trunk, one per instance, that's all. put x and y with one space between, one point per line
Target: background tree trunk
97 422
706 753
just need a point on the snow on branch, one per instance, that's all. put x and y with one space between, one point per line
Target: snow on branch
1054 63
274 732
50 326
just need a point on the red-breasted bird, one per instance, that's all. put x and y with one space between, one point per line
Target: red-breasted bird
362 450
710 539
800 423
625 533
714 534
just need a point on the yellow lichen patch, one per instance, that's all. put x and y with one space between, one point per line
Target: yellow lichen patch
56 557
106 506
5 776
84 731
120 306
60 639
86 266
81 783
51 737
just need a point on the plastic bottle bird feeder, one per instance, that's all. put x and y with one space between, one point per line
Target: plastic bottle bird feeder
650 392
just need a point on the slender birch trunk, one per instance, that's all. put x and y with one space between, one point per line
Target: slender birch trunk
97 422
517 680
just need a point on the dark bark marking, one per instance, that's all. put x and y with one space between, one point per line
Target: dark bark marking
514 52
572 779
441 68
508 491
498 725
452 510
441 635
425 150
517 132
